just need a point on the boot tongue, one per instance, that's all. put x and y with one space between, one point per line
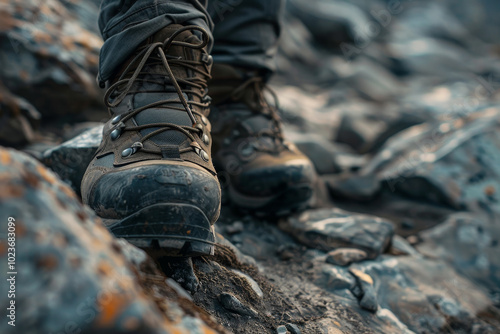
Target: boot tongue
155 92
179 52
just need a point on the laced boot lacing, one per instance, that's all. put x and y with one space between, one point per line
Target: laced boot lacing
124 87
258 86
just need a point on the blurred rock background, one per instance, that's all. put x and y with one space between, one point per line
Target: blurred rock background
396 102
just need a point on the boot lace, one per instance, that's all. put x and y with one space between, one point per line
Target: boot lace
154 54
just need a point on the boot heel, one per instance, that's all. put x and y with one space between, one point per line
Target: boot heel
172 229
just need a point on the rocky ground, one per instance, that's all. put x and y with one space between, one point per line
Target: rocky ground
397 103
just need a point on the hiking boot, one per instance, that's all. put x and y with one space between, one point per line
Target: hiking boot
258 169
152 178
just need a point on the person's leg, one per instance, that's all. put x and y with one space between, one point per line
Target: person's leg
259 170
125 24
246 33
152 179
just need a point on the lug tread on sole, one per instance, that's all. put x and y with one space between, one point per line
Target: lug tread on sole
167 229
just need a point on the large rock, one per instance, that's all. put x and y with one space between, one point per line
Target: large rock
408 294
19 118
307 112
451 99
353 186
453 163
368 79
70 159
431 42
70 274
365 127
470 244
427 296
328 229
476 15
47 55
327 157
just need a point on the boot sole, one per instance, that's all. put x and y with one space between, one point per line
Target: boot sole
167 229
294 199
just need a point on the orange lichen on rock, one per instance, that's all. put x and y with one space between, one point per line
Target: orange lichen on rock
68 43
42 36
8 191
48 262
45 174
112 305
7 21
489 190
5 158
131 323
31 179
3 247
66 190
21 229
104 268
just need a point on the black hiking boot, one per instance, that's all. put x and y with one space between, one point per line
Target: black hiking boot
260 172
152 178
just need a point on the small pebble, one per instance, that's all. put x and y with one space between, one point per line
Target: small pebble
365 291
401 246
345 256
233 304
282 330
254 285
412 239
293 329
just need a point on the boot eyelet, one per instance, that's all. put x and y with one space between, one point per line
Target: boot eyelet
204 155
115 134
116 119
132 150
204 120
205 139
207 59
127 152
198 126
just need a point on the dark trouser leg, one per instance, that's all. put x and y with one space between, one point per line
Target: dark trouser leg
246 32
125 24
